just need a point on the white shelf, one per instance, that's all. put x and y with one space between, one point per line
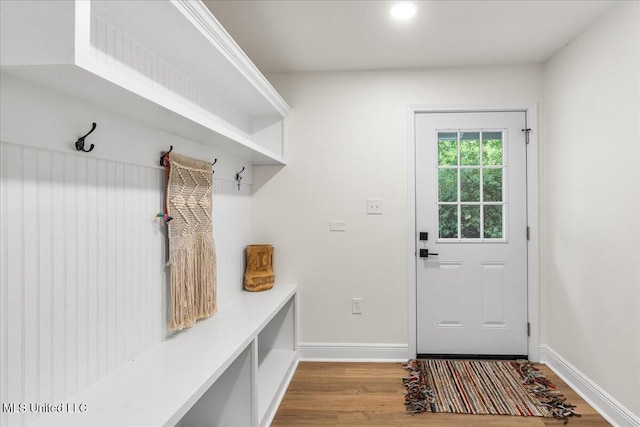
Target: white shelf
276 366
226 401
161 385
192 80
276 360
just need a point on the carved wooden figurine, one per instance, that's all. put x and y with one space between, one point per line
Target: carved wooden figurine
259 273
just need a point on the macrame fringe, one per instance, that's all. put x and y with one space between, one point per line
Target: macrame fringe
193 279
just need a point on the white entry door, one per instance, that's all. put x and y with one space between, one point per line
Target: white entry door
471 219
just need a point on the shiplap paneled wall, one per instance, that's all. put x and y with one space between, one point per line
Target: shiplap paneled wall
232 233
113 47
82 272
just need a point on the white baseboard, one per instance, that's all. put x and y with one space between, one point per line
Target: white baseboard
612 410
341 352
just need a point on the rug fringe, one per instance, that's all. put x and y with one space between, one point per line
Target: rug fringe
421 398
546 392
417 397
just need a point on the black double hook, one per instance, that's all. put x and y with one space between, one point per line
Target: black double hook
170 150
165 155
239 178
80 141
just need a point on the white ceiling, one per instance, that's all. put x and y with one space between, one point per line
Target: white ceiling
323 35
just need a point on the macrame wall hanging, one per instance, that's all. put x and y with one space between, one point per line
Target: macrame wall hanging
192 255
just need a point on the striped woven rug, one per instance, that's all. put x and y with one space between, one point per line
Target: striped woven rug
487 387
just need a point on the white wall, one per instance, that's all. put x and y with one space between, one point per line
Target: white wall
82 265
346 142
590 214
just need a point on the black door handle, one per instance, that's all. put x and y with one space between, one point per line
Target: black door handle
424 253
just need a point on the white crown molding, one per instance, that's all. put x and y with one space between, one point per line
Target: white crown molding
204 20
352 352
612 410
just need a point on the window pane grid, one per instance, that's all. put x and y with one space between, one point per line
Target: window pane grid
470 163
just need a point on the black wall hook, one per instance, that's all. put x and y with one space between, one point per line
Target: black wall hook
164 155
214 162
239 178
80 141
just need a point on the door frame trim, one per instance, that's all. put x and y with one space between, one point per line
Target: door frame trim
533 268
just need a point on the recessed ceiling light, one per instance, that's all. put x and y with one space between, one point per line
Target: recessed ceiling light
403 10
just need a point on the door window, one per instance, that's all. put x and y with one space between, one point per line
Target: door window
471 177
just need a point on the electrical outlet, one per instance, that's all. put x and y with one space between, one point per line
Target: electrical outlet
356 305
374 206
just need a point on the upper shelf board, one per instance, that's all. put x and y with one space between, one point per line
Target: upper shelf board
166 63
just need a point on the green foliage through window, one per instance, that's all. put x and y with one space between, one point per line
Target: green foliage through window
470 221
470 184
448 215
492 180
448 185
493 222
469 148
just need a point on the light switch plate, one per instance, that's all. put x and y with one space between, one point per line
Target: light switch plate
374 206
338 225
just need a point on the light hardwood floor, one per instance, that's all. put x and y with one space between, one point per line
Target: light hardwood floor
371 394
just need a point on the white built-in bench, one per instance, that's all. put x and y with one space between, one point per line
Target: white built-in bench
229 370
196 83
